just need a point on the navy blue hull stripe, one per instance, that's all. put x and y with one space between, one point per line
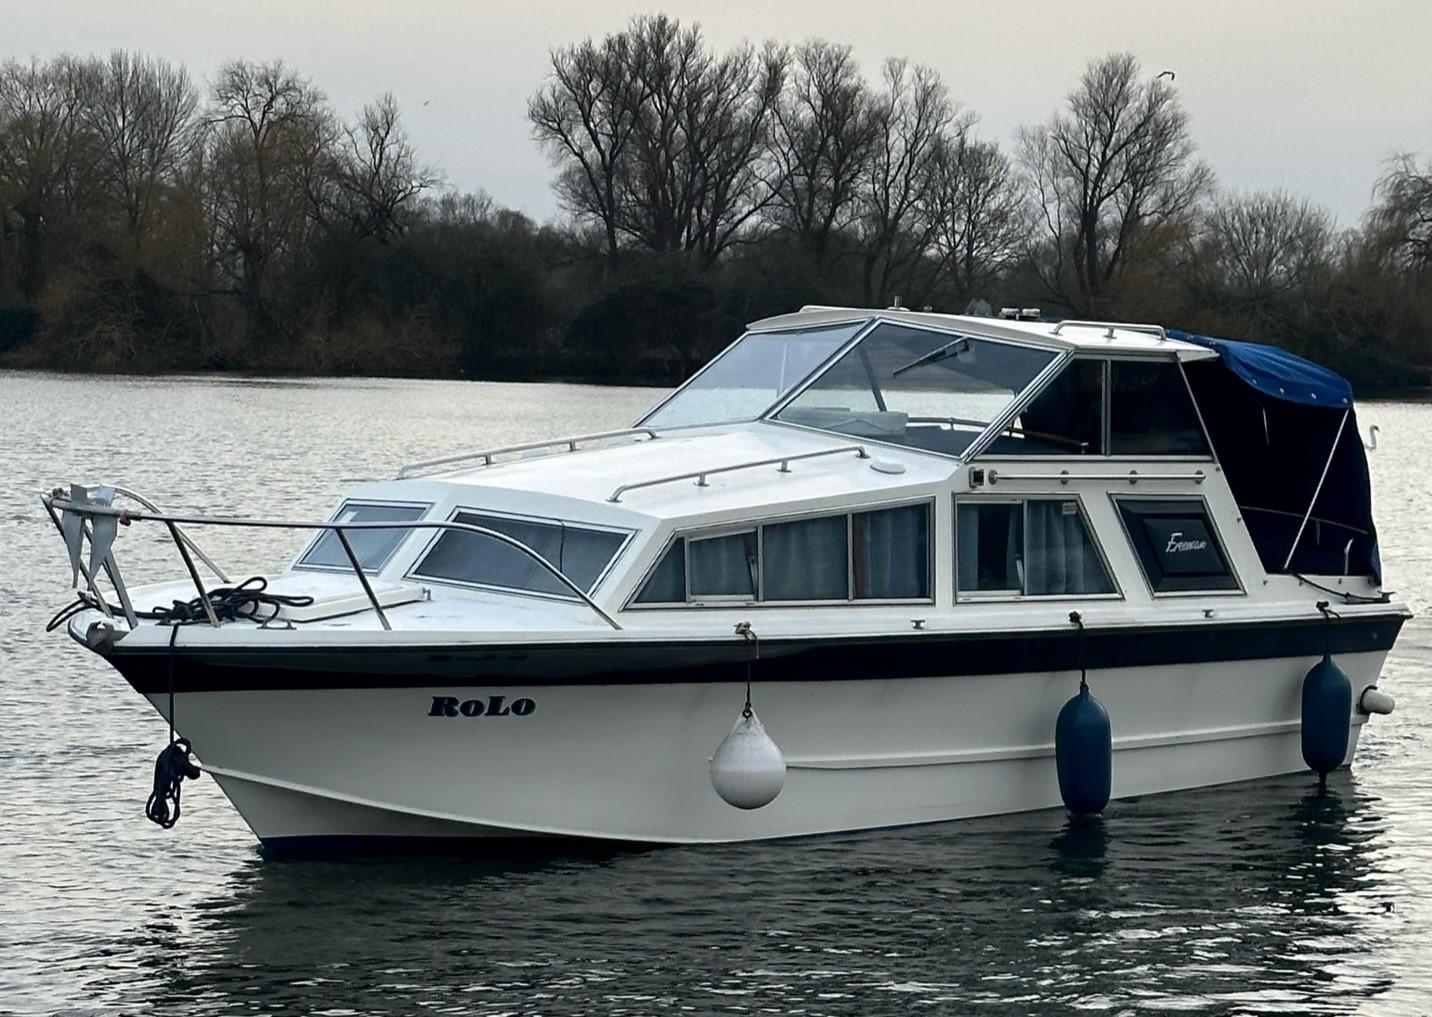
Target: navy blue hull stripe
913 655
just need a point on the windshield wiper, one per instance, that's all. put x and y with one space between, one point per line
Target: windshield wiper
950 349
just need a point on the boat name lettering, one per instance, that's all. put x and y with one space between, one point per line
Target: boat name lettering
492 706
1175 544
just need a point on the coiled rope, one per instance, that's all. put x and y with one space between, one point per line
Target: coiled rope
248 601
173 764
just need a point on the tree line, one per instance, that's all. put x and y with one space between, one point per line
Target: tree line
151 222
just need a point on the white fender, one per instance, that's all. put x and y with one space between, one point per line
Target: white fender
748 769
1374 700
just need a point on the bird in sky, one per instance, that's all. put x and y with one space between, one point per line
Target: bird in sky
1171 75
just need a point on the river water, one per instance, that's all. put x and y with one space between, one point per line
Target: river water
1256 898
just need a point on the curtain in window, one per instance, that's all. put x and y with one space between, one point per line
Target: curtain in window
1060 558
667 584
805 560
723 566
989 547
892 554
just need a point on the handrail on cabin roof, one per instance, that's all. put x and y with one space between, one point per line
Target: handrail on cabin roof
1109 326
700 475
487 454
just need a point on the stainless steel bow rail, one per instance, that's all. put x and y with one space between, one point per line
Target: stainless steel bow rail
783 462
102 554
488 454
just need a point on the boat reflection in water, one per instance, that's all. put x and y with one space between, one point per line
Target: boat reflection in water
1258 896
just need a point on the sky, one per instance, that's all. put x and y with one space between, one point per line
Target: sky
1313 96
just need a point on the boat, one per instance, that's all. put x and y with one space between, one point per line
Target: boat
864 561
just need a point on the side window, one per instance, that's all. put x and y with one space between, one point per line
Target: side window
808 559
1039 547
882 554
581 555
723 567
989 538
892 553
667 584
1066 419
1176 545
1151 411
373 547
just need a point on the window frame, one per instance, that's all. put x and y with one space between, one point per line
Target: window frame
1106 380
566 598
1012 596
1238 590
757 524
757 581
422 507
979 450
1208 457
1037 384
864 321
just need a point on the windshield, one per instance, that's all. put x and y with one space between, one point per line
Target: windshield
751 376
928 390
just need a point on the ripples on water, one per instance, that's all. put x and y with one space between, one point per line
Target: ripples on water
1256 898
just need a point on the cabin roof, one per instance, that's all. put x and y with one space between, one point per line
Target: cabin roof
580 486
1087 337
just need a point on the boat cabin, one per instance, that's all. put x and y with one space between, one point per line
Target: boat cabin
923 466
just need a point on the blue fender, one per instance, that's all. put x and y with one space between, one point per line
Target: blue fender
1327 712
1084 754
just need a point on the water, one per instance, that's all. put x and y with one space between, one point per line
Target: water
1258 898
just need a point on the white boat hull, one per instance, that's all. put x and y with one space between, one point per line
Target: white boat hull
629 762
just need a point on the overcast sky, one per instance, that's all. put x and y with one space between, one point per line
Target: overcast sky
1312 96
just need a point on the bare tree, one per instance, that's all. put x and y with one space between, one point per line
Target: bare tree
46 156
584 117
1400 223
142 116
824 133
375 179
661 141
728 121
1261 249
913 115
979 214
268 130
697 168
1109 172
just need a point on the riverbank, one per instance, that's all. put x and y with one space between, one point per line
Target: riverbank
1372 377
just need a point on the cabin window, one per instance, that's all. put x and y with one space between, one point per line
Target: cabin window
882 554
1065 419
724 567
1037 547
372 548
807 559
1151 411
667 584
580 554
1176 545
892 553
747 379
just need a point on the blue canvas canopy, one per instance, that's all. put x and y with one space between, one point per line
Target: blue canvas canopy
1286 434
1276 372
